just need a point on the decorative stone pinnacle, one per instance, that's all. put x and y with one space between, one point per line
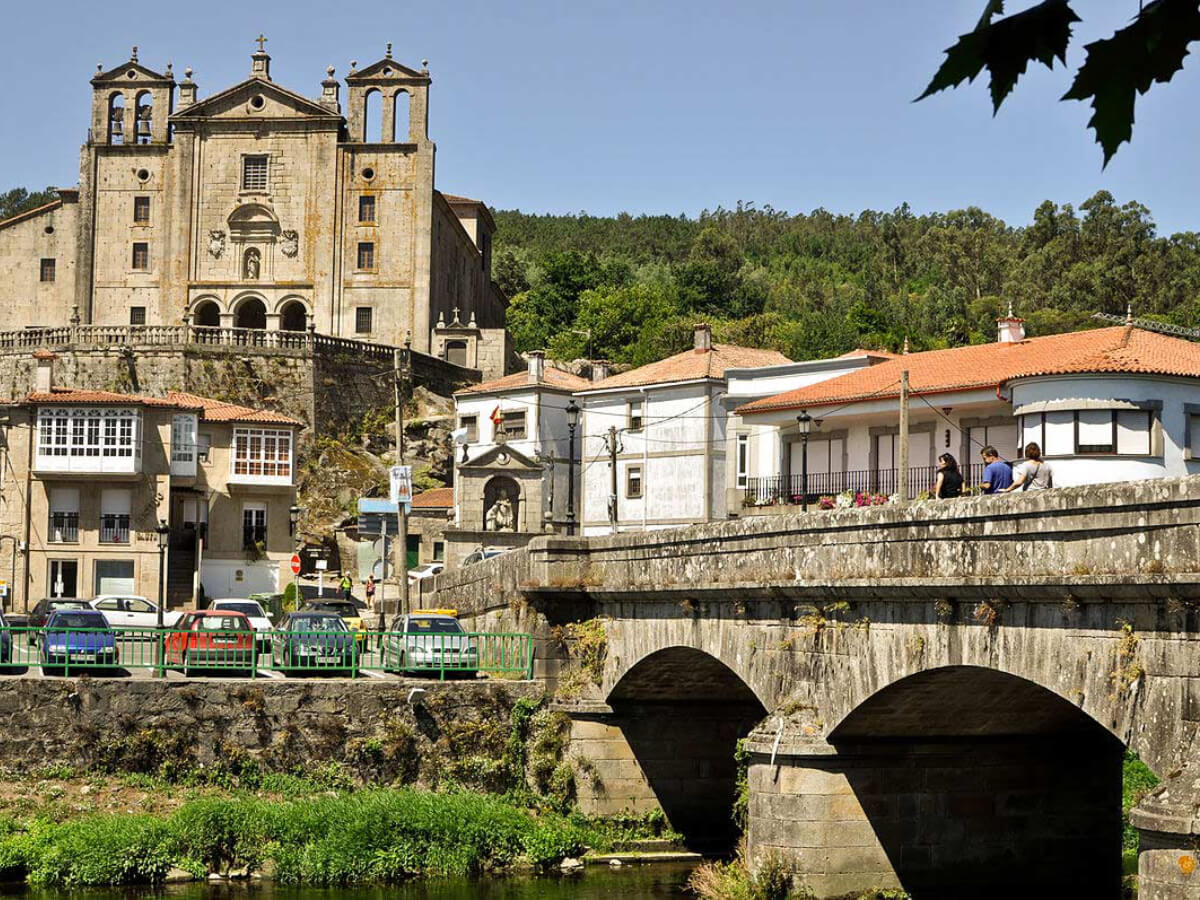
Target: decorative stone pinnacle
389 50
1010 312
99 67
424 64
329 70
187 73
133 55
1129 314
353 65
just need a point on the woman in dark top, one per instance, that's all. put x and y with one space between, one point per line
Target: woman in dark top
949 481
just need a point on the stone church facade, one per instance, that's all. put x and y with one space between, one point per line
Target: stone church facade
259 208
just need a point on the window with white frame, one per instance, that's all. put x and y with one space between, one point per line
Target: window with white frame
254 526
743 460
1090 432
633 482
87 432
183 443
262 453
471 425
64 515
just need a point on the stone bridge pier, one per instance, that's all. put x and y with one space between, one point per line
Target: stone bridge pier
935 699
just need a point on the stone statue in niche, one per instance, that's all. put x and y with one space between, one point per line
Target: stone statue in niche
289 244
216 243
252 265
500 516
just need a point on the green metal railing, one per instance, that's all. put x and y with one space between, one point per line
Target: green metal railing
68 651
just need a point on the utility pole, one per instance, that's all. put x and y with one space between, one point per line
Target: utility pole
612 460
401 509
902 475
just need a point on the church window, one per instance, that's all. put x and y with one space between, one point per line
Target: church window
258 101
141 210
366 209
368 173
470 424
47 270
141 256
366 256
372 114
143 174
362 319
254 173
137 315
400 108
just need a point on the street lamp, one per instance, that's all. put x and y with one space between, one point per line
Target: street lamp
164 536
804 423
572 423
294 514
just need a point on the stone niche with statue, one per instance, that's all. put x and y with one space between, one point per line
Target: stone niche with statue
500 503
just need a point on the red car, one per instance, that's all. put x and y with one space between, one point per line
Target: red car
213 639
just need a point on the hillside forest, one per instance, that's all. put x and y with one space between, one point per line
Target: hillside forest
629 288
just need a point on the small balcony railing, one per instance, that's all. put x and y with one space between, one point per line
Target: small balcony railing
790 489
64 528
114 529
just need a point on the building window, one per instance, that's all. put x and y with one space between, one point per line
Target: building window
471 424
183 444
254 174
203 445
1090 432
743 460
137 315
366 256
254 526
514 425
633 482
47 270
114 516
141 210
262 453
141 256
633 415
64 515
66 432
114 576
366 210
362 319
439 551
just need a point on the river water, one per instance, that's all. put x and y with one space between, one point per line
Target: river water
651 882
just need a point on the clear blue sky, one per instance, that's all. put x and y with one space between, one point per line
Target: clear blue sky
661 106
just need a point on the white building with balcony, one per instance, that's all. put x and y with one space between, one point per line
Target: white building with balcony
1110 404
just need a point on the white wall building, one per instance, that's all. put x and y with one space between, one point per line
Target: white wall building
1111 404
668 420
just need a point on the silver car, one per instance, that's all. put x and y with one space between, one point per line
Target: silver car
430 643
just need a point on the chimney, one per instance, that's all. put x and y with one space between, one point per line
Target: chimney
187 90
702 340
537 366
1010 329
600 369
43 382
329 92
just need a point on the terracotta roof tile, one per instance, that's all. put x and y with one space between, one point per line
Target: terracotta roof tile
438 498
692 365
553 378
454 198
1120 349
97 398
220 411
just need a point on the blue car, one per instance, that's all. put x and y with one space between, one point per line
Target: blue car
313 642
78 637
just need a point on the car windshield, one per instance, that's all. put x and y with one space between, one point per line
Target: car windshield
433 625
78 620
318 623
66 604
246 607
222 623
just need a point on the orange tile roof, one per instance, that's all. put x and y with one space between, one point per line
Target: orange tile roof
552 377
438 498
220 411
692 365
96 398
1119 349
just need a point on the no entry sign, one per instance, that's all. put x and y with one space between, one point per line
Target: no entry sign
295 563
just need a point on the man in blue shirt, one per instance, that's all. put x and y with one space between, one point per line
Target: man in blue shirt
998 474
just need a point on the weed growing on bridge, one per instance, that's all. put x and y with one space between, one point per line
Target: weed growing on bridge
766 878
944 611
987 613
1128 670
586 643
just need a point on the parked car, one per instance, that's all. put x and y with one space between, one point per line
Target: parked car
129 611
313 641
208 638
347 609
45 606
425 570
252 610
272 603
429 642
6 641
484 553
81 636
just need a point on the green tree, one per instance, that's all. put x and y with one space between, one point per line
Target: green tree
19 200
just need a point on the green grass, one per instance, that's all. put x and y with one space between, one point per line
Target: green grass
1136 781
369 836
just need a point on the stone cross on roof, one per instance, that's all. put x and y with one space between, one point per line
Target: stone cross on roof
260 40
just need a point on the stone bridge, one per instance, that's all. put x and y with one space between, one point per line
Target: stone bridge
936 697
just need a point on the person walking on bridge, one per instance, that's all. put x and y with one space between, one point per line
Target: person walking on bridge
997 473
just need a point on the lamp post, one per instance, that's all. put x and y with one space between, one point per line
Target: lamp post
804 423
572 423
164 537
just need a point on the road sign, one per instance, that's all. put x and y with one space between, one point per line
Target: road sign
400 482
295 563
322 565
